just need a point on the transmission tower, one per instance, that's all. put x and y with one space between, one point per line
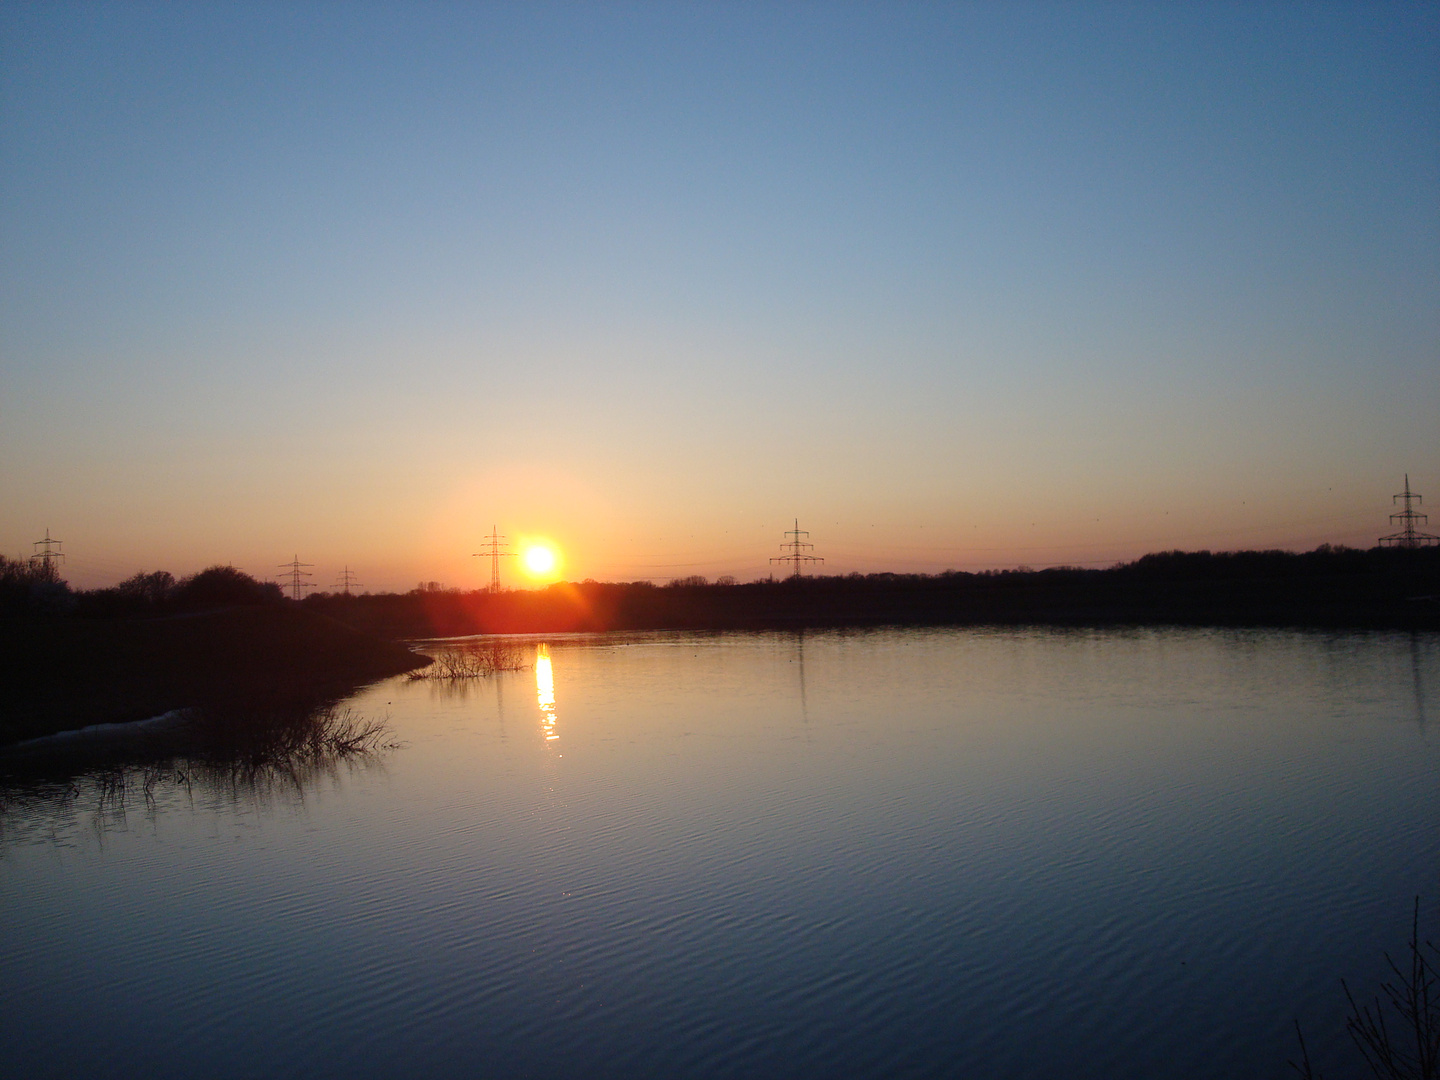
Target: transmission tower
295 584
795 549
48 554
496 552
1409 536
347 579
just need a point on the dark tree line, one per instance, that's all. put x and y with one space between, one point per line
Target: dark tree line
1328 587
33 588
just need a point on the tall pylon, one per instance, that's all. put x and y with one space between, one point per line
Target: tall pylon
794 549
347 579
295 584
49 555
1409 536
493 549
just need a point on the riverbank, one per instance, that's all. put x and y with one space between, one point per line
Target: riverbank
64 673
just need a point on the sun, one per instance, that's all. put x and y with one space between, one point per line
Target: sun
540 560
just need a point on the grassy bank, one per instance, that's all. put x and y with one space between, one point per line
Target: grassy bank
67 672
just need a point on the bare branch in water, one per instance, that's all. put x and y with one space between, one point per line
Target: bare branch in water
473 660
1410 1049
1412 1052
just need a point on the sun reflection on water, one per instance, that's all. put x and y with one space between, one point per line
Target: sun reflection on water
545 691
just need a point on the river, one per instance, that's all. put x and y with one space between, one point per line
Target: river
981 853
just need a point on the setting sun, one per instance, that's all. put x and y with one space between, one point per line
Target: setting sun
540 560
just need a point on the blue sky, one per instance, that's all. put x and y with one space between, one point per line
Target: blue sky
958 285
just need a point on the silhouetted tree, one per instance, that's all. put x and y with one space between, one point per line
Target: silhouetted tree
32 587
223 586
150 590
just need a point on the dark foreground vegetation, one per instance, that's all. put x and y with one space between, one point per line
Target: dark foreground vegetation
218 642
1382 588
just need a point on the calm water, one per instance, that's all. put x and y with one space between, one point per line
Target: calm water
891 853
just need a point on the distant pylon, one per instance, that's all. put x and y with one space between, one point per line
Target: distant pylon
49 554
1408 536
795 550
347 579
493 549
295 584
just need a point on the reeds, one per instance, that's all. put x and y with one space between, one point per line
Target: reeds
473 660
230 753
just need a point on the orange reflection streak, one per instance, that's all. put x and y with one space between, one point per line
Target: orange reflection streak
545 691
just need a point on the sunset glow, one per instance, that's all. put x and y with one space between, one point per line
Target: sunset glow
1120 281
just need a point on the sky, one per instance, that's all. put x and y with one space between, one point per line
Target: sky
955 285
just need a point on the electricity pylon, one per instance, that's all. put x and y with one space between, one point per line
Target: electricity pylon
347 579
496 554
1409 536
795 550
48 555
295 585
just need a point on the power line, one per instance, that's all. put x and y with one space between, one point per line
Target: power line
347 579
295 585
49 554
496 554
795 549
1409 536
